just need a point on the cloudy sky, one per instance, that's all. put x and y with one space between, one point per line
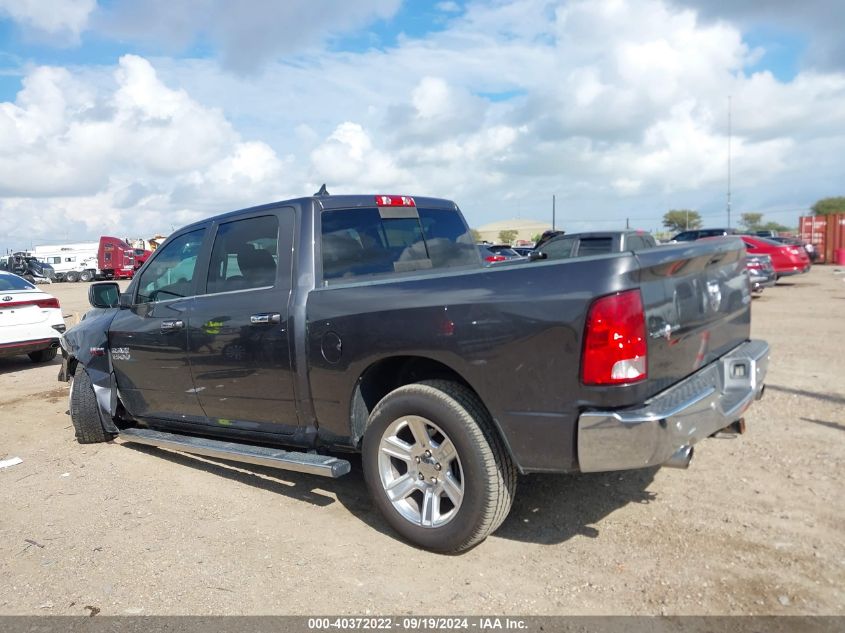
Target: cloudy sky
131 117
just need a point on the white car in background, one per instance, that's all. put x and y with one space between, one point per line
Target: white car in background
30 320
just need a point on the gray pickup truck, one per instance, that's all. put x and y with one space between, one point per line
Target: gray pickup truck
569 245
289 334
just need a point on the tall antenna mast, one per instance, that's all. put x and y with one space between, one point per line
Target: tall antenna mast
729 161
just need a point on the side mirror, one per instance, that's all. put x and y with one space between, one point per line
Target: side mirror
104 295
535 255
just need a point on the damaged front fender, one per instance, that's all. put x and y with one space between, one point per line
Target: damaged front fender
85 347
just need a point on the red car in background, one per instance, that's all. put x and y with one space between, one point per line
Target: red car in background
787 259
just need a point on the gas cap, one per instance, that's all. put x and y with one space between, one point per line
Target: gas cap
332 347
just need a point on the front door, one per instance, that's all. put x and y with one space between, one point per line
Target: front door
238 338
148 341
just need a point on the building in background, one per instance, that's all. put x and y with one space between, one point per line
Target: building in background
526 230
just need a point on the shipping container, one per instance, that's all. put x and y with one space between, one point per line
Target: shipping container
826 233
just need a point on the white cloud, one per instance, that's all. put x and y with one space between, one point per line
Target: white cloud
619 108
65 19
818 22
246 34
131 158
348 160
448 7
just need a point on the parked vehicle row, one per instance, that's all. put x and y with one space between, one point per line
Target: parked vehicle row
109 258
761 273
768 259
787 259
493 253
29 267
794 241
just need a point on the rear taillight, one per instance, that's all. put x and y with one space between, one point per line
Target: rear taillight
615 340
52 302
495 258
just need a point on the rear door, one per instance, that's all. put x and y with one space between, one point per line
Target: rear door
239 345
148 341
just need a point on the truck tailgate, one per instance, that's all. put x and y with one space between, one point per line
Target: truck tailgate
697 304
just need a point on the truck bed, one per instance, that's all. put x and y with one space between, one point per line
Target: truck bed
515 333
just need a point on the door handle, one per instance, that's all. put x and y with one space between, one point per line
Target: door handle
171 325
266 318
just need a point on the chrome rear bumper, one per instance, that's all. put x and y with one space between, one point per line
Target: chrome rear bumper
695 408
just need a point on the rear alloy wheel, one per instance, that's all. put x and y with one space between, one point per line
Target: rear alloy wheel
86 276
43 355
436 469
420 471
84 412
71 276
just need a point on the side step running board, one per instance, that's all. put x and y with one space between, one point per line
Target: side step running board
310 463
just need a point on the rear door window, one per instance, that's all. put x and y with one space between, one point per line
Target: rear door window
558 248
638 243
595 246
360 242
634 243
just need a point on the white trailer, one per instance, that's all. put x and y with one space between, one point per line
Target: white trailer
72 262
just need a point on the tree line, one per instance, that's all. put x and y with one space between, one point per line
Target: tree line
678 220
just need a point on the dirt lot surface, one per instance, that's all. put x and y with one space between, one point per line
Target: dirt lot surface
755 526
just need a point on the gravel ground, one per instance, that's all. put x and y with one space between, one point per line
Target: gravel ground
755 526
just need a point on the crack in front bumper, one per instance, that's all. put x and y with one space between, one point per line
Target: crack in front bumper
695 408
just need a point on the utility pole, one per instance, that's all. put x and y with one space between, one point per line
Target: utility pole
553 212
627 223
687 220
729 161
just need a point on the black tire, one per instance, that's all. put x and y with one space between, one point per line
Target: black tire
71 276
43 355
84 412
487 473
86 276
29 278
